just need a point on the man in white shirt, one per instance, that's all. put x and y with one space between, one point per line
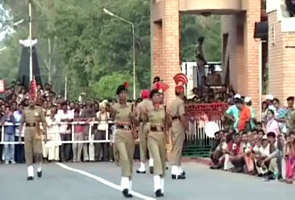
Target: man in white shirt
19 148
65 116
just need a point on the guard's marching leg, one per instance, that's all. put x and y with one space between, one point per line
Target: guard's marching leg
30 173
143 148
125 185
181 171
151 165
157 186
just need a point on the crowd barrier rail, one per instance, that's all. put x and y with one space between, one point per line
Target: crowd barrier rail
89 125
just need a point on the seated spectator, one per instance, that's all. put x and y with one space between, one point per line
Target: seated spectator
276 160
214 78
261 152
237 154
290 160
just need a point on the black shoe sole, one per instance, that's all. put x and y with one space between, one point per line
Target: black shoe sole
39 174
139 172
159 193
30 178
126 193
174 177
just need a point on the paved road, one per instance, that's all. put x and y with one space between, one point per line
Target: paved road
59 183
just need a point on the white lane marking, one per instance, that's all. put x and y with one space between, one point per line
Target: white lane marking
103 181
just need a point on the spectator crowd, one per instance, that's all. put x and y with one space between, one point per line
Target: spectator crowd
266 148
89 119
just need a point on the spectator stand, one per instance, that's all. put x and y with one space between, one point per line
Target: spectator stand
197 143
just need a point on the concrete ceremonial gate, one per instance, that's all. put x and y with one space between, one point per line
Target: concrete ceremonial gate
241 50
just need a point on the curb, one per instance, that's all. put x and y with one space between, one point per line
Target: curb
203 161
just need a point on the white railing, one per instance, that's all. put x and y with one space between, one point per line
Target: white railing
73 124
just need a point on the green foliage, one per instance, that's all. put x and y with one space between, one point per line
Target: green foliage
193 27
94 50
106 87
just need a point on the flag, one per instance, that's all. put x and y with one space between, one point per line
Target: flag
33 88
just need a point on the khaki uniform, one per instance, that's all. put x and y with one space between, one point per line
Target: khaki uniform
124 140
177 130
156 140
145 105
32 117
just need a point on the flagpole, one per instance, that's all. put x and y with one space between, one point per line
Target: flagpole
30 38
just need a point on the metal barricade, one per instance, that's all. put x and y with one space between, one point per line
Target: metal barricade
73 124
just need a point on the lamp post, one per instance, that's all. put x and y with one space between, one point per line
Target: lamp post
106 11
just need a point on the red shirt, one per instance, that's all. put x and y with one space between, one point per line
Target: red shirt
245 116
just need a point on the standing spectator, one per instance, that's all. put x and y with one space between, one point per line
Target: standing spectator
78 136
65 116
9 131
52 146
103 118
272 124
248 102
290 122
281 115
88 115
245 116
233 113
19 148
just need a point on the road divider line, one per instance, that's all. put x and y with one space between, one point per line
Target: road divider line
103 181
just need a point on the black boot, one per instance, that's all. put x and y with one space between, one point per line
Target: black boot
30 178
126 193
159 193
39 174
175 177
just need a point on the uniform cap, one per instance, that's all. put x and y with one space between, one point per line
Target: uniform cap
121 88
160 86
145 94
180 79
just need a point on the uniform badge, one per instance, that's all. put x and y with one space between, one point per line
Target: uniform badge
159 128
36 114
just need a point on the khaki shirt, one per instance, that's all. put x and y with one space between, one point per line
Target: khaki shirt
34 115
177 107
122 112
143 108
157 116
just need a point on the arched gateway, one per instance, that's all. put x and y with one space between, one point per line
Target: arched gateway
244 55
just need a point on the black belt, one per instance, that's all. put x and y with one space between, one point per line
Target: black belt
31 124
157 128
174 118
123 127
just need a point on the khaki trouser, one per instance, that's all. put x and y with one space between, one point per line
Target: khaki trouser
156 143
143 144
178 136
33 146
125 145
